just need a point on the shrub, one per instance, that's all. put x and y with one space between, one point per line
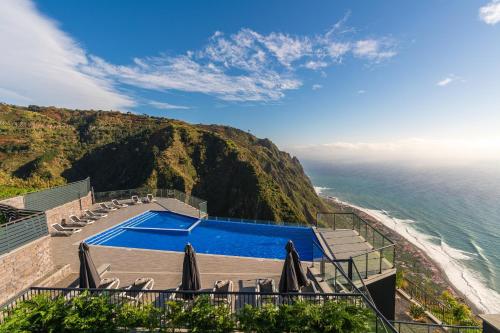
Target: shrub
39 314
204 317
89 313
130 316
416 311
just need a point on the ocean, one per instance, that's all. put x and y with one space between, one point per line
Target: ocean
450 212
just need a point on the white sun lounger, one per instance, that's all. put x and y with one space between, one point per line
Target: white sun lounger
109 283
64 231
149 198
118 204
104 206
90 213
266 286
86 216
136 200
76 219
222 286
135 291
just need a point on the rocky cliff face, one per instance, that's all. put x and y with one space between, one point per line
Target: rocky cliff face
240 175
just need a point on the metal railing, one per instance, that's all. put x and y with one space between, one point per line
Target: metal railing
415 327
197 203
235 219
429 302
19 232
342 276
235 301
383 253
53 197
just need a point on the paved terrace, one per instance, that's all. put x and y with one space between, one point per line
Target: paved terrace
165 267
347 243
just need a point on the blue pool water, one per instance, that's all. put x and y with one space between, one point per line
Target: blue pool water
207 236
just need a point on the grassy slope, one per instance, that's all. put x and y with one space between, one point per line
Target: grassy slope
239 174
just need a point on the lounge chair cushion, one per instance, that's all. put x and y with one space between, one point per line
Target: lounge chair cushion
222 286
266 285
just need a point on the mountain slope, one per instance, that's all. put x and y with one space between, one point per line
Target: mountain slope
239 174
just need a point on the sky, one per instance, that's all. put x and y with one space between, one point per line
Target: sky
321 79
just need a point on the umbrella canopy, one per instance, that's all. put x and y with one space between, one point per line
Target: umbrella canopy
292 276
89 278
190 273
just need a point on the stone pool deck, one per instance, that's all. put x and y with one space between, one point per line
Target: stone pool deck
165 267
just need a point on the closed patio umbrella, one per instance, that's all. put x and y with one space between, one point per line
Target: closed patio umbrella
299 270
89 277
190 274
292 276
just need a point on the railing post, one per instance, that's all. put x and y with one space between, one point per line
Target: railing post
381 256
334 221
349 269
366 271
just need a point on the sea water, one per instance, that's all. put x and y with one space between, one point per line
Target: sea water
450 212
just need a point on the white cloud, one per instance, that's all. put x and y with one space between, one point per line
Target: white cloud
490 13
167 106
373 49
415 150
448 80
41 65
315 64
361 92
316 86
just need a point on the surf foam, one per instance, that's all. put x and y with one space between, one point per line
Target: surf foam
471 285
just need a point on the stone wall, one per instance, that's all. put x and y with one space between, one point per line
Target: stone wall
55 215
16 202
23 266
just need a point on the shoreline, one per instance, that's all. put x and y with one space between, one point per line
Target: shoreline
437 273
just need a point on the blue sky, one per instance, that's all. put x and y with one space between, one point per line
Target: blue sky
318 76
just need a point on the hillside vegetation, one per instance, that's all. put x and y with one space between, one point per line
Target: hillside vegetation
240 175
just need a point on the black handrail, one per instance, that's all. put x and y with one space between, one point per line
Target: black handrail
368 301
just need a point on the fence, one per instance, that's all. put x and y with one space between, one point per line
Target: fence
199 204
234 301
22 231
429 302
414 327
381 257
56 196
235 219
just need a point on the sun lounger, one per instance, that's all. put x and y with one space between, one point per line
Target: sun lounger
64 231
222 287
149 198
136 200
174 296
76 219
135 291
309 292
109 283
86 216
105 207
266 286
117 204
72 224
90 213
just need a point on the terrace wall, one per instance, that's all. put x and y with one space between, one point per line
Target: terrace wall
16 202
75 207
23 266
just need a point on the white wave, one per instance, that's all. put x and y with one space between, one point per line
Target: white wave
319 190
471 284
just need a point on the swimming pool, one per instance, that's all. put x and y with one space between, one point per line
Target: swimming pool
160 230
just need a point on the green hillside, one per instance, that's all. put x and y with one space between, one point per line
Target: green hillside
240 175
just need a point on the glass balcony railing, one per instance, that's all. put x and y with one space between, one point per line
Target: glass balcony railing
382 255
